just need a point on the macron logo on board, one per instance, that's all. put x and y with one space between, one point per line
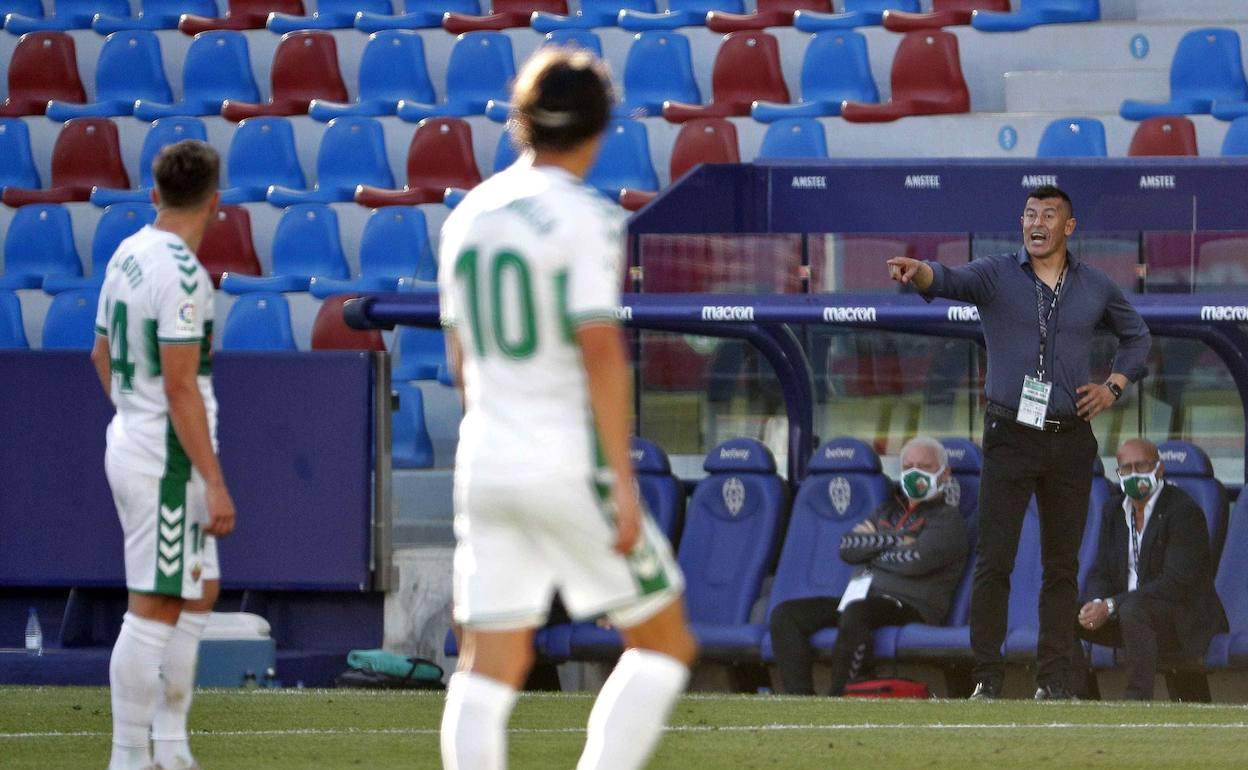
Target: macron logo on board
1223 313
727 313
962 313
841 315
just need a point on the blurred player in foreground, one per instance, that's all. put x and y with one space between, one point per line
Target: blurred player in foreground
545 496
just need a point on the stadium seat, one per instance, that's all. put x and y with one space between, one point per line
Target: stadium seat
679 13
68 14
591 15
17 162
392 68
30 8
12 331
480 68
747 69
1073 138
575 38
70 322
259 321
43 67
262 153
965 463
153 15
422 354
659 68
794 138
857 13
330 331
1167 136
305 244
217 68
660 489
926 80
410 446
394 245
1189 468
835 69
329 14
505 153
352 152
1235 143
39 243
240 15
1035 12
87 154
504 15
713 140
770 13
623 161
227 246
305 67
164 131
440 156
944 13
118 222
1207 68
1231 583
419 14
129 69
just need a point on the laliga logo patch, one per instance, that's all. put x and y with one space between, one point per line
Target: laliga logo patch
840 493
186 316
196 571
734 495
953 492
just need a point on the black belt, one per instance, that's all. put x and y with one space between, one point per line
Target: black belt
1051 424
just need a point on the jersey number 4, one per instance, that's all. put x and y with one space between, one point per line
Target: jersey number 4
119 346
510 286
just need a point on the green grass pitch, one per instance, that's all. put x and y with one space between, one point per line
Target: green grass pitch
55 728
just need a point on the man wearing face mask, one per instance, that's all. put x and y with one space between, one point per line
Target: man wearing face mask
910 552
1152 585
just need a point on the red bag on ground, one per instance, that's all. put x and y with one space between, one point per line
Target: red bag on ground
887 688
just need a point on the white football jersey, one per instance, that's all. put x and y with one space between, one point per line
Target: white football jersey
155 292
526 257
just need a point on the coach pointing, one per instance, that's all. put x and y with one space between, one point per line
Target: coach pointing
1039 309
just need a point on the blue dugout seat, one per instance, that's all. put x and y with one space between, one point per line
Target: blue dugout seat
306 243
592 14
1231 582
835 68
259 321
660 489
39 244
118 222
217 67
857 13
163 132
12 330
794 138
1189 468
1207 68
480 68
392 68
659 68
70 322
129 69
262 153
1073 138
394 245
352 153
1031 13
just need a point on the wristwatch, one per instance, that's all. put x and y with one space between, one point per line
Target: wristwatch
1113 388
1112 606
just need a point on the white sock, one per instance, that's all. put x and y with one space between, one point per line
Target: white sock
631 709
134 678
169 742
474 722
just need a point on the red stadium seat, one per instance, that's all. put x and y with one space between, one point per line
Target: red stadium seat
330 331
1164 136
927 80
944 13
709 140
747 69
305 67
506 14
87 154
227 246
241 14
43 67
771 13
440 156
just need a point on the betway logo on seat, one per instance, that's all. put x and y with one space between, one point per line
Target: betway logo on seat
1223 313
636 455
839 453
962 313
734 454
727 313
1039 180
1157 182
841 315
810 183
956 454
1173 455
923 181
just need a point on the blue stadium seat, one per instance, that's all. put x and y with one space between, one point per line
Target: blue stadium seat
1189 468
259 321
660 489
679 13
392 68
39 243
262 153
153 15
794 138
419 14
592 14
624 160
410 444
857 13
68 14
17 161
70 322
352 153
505 152
217 67
1073 138
480 68
1231 583
330 14
659 68
32 9
129 69
163 132
305 244
576 38
394 245
1207 68
835 68
965 463
118 222
1036 12
422 354
1235 143
12 331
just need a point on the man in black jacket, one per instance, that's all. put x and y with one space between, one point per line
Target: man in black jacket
912 550
1151 588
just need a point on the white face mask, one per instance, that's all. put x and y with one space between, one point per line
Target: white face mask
919 485
1139 486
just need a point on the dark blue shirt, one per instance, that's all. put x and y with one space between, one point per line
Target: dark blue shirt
1004 289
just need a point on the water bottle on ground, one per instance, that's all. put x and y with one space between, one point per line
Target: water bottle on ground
34 634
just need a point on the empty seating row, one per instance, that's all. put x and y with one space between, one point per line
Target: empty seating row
1206 77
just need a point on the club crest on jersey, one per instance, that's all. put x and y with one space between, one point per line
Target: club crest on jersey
196 571
186 317
840 493
734 495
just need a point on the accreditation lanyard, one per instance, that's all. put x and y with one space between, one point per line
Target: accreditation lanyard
1046 316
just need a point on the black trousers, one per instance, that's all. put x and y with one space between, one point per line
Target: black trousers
1057 468
1145 631
793 622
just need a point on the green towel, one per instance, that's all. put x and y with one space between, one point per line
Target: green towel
394 665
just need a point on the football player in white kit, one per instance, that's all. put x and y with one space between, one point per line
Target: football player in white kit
545 497
152 353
